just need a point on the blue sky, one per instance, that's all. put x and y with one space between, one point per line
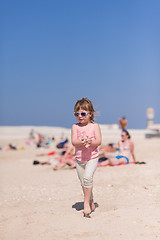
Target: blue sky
56 52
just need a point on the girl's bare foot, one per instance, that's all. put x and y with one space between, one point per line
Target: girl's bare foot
87 209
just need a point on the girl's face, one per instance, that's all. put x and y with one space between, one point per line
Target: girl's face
83 116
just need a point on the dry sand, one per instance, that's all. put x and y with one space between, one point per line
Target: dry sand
41 204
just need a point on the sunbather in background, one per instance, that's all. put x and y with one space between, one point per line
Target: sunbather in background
60 159
110 147
68 159
39 139
126 150
11 146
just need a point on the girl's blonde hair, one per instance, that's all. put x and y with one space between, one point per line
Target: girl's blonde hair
85 104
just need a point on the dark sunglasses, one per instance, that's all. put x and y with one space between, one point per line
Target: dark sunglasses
123 135
82 114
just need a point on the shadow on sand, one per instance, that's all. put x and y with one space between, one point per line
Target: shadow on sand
80 205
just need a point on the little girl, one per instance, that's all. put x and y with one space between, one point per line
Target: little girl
86 137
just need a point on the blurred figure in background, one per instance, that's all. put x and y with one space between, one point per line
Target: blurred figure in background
126 151
123 123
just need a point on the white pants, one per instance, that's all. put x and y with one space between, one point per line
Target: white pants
85 171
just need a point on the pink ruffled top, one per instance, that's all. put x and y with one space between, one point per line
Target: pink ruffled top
85 153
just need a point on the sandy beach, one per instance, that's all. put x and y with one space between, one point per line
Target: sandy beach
41 204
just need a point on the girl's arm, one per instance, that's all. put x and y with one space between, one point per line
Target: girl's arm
75 141
132 151
98 138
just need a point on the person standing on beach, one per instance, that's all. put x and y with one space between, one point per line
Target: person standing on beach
123 123
86 137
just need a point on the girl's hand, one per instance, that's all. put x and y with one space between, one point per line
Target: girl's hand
89 141
84 140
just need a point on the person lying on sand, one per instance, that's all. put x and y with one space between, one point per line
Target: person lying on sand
110 147
11 146
67 159
64 158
